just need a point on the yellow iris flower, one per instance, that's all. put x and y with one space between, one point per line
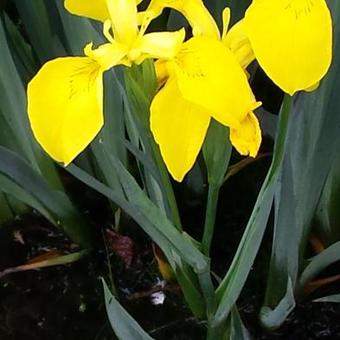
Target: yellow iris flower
205 80
292 40
65 98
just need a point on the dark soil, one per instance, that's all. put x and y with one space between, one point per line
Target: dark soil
66 302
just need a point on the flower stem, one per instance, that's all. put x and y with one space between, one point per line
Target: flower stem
170 195
280 142
210 217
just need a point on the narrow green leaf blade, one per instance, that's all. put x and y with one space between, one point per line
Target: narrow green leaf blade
273 318
39 194
121 321
42 24
237 329
330 298
231 286
313 142
319 263
146 214
217 152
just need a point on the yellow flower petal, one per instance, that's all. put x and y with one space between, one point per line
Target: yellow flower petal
247 138
313 87
106 55
225 21
123 15
162 72
292 40
209 76
65 106
237 41
179 128
195 12
88 8
160 44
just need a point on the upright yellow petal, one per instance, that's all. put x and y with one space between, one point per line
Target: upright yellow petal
247 138
106 55
292 40
123 15
226 15
94 9
195 12
209 76
237 41
179 128
88 8
160 44
65 106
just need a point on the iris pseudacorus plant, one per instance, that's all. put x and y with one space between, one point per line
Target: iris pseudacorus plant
202 78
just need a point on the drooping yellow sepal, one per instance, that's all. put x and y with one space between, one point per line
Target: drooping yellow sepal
195 12
247 138
179 127
204 80
65 106
292 40
209 76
